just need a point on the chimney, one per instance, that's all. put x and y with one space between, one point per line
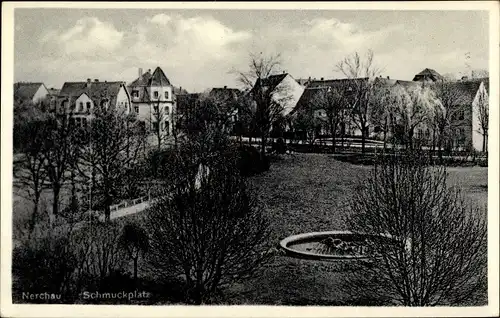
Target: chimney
149 71
283 72
322 78
140 71
388 77
96 80
89 81
225 86
464 78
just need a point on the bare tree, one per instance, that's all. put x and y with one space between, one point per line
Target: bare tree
112 147
159 118
332 100
449 97
206 227
362 72
29 171
483 117
308 124
268 97
410 108
428 246
59 154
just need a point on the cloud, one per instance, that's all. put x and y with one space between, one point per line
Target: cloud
182 41
88 37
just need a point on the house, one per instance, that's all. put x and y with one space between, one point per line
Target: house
316 89
153 100
286 90
81 98
428 75
25 92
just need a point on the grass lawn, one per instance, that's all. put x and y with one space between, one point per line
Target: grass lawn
308 192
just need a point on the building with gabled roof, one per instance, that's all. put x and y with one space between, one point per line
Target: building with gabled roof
287 90
81 98
30 92
153 99
428 74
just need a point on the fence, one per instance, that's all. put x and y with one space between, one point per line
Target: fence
128 203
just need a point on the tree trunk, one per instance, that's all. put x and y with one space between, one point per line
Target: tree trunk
56 189
484 142
135 270
332 133
107 207
363 139
36 199
263 145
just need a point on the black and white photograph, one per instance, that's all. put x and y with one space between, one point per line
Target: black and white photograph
225 155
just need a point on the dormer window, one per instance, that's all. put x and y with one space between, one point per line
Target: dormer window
155 94
166 95
81 107
135 93
88 106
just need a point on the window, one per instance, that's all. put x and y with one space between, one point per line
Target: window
71 121
166 127
84 121
135 93
81 107
78 122
136 109
155 126
88 106
461 114
155 108
166 95
155 93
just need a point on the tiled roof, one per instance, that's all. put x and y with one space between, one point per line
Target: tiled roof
26 91
346 85
271 82
97 91
143 80
225 93
158 78
427 72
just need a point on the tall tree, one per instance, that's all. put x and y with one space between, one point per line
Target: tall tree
449 97
112 146
362 71
483 115
160 123
30 174
410 107
269 98
59 153
332 100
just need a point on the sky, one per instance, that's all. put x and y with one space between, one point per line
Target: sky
200 49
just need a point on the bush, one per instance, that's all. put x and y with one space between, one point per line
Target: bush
438 255
250 161
279 146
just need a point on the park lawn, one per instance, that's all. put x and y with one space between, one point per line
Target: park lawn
309 192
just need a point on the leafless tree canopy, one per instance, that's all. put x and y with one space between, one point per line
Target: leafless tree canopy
206 227
269 98
436 254
362 70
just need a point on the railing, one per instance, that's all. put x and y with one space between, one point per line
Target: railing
128 203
